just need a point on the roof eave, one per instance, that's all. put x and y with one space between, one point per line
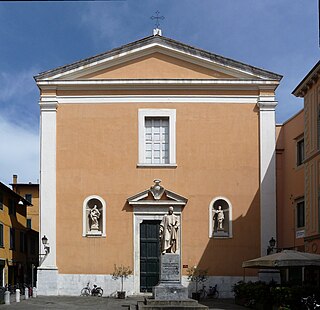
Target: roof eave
158 82
64 68
16 195
169 43
307 81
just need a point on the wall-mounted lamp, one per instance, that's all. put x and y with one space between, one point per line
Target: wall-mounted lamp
20 203
45 243
271 246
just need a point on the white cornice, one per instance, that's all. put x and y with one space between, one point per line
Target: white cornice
170 84
158 203
154 99
267 105
158 82
48 105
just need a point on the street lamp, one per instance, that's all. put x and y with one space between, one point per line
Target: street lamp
45 243
271 246
44 240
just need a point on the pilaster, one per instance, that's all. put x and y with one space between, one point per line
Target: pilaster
48 180
267 106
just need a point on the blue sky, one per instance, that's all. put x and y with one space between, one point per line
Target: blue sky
280 36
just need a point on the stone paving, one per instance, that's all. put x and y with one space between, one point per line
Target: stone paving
106 303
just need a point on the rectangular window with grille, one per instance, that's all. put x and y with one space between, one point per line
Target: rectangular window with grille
28 197
12 239
12 207
157 140
29 223
300 152
157 137
1 236
300 214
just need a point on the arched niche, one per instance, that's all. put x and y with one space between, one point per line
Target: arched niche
94 217
220 218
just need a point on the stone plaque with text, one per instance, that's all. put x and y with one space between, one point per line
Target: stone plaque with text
170 268
169 287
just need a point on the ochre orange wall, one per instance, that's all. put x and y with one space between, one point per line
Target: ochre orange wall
217 155
290 181
312 167
156 65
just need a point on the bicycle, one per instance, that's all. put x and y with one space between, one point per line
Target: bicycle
212 293
310 302
95 291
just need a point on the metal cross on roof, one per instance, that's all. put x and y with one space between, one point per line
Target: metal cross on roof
157 24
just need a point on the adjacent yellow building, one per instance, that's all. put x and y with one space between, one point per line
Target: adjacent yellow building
290 183
309 89
30 191
298 175
18 244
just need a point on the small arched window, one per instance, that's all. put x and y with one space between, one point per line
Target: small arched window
220 218
94 217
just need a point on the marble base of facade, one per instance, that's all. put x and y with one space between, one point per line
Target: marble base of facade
187 304
50 282
47 281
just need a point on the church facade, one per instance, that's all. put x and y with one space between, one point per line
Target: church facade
130 132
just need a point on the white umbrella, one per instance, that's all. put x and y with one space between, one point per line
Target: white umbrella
284 259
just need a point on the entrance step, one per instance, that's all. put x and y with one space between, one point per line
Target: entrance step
185 304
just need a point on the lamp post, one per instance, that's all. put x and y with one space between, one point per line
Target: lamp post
44 240
271 246
45 243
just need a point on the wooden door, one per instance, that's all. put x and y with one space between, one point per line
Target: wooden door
149 255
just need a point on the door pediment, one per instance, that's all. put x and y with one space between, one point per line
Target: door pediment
157 195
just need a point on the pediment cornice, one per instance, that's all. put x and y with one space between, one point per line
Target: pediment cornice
157 195
151 45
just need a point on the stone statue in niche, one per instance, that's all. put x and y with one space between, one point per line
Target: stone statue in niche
169 232
219 216
94 216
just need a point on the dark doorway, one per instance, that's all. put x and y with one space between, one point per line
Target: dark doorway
149 255
12 275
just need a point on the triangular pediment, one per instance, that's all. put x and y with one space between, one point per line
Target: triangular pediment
158 65
156 57
157 195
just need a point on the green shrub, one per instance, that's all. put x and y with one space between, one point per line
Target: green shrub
285 297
